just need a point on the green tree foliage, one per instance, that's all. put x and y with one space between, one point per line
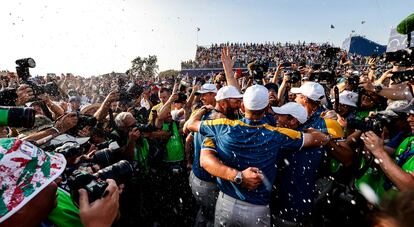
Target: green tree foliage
168 73
144 67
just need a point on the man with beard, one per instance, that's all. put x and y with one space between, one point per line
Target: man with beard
204 188
228 100
245 157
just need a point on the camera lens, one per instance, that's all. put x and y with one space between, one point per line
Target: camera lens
120 172
70 151
17 117
105 157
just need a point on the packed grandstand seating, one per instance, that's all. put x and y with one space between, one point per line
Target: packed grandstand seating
271 53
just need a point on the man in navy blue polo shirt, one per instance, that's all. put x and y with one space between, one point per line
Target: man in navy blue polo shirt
242 154
300 170
202 184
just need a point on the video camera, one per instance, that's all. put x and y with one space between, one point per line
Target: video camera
404 57
403 76
95 184
257 69
22 70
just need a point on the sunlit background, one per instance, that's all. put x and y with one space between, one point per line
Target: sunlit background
99 36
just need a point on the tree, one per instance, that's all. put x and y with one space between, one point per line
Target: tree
144 67
168 73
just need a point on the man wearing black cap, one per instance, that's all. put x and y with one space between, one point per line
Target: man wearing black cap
397 173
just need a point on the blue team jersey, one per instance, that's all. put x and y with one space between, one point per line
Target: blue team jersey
243 143
198 171
296 185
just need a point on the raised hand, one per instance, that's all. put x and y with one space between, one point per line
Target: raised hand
24 94
226 59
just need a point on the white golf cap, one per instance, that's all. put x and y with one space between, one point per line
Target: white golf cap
348 98
228 92
206 88
294 109
311 90
256 97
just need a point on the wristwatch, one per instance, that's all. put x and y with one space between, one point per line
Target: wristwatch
239 178
378 88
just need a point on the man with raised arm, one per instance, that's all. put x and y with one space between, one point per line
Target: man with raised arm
242 155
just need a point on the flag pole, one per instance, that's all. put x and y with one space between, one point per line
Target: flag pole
197 30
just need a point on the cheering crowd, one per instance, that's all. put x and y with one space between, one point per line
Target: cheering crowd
272 53
325 139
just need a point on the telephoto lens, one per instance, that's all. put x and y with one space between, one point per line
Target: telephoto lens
120 172
17 117
106 157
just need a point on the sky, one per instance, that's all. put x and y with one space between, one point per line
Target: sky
93 37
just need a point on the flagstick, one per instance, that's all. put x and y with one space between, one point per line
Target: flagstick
197 37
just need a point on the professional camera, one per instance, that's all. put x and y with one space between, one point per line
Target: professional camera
95 184
374 123
294 76
70 150
145 127
107 156
17 117
22 70
129 93
83 121
404 57
140 114
323 77
8 97
402 76
257 70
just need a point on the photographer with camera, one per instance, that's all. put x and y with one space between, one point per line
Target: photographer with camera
396 170
37 201
172 168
